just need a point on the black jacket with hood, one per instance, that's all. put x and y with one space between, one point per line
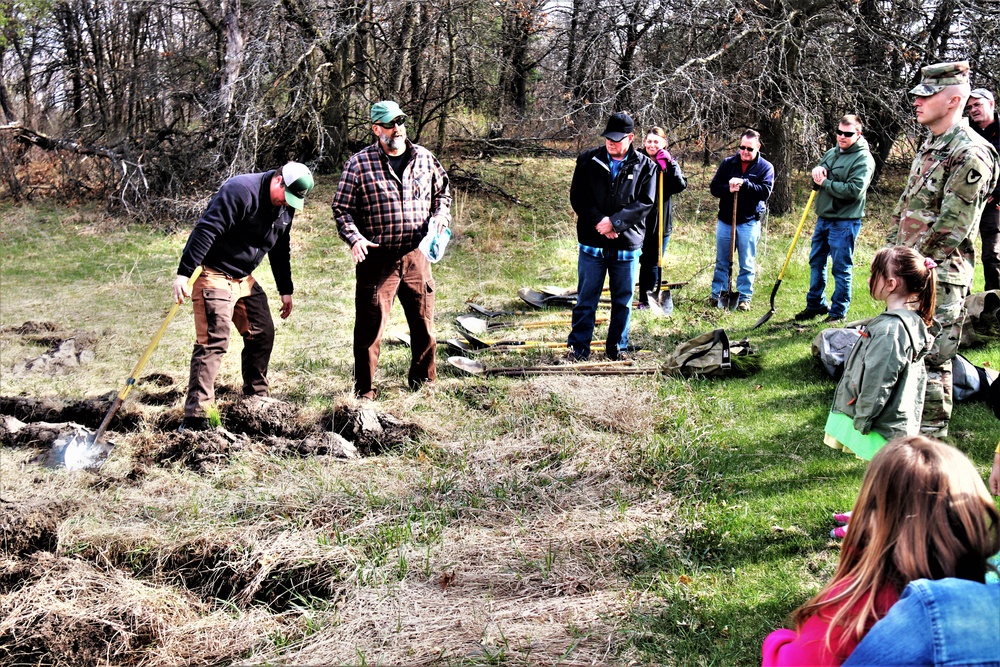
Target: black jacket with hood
626 201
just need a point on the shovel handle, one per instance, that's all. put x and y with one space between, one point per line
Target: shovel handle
798 232
156 340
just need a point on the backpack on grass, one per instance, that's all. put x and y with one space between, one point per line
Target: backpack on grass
712 355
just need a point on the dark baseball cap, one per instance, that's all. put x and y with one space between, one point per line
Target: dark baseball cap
619 126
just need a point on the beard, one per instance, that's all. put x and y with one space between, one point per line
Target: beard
394 144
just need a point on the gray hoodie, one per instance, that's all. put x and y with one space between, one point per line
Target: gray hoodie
883 384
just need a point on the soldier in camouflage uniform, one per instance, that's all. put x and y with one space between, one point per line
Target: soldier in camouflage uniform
938 214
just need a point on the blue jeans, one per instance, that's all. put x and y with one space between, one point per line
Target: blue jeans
747 235
590 281
834 239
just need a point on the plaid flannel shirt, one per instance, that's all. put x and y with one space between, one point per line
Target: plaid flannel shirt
371 201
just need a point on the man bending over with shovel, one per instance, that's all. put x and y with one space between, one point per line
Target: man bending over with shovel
249 217
743 183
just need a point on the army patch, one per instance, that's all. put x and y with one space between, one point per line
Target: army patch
973 177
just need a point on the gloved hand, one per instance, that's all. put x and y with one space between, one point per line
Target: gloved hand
663 157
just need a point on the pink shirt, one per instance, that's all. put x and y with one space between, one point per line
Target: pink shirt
807 646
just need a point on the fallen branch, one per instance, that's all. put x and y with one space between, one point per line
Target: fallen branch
473 182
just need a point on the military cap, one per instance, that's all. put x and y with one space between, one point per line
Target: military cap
939 75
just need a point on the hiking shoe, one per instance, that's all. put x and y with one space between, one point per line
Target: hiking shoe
743 305
839 533
833 318
810 313
621 356
194 424
572 357
842 518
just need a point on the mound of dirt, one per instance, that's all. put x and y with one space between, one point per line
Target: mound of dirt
263 416
30 328
63 357
89 412
63 611
372 431
30 526
317 444
201 451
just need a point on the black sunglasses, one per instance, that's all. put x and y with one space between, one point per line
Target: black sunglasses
393 124
846 134
747 148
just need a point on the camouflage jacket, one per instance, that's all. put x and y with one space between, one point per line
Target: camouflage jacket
938 212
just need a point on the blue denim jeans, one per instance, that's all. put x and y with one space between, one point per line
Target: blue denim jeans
590 281
747 235
834 239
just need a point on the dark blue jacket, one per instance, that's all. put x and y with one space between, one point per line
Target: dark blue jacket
238 228
626 201
755 191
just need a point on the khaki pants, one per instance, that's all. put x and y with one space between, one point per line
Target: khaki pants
381 278
947 329
220 302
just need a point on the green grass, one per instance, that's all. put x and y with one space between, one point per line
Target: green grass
712 498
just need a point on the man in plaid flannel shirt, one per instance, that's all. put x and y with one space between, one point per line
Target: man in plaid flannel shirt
388 197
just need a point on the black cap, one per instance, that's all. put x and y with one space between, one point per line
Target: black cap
619 126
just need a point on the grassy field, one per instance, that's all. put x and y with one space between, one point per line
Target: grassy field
551 520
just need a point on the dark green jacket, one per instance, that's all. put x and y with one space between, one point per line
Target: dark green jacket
848 174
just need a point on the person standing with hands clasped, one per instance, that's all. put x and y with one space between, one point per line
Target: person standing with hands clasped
749 179
389 196
881 394
672 180
249 217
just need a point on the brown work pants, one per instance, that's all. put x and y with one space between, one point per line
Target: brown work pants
219 302
381 278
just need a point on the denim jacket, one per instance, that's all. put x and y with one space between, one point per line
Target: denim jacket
947 622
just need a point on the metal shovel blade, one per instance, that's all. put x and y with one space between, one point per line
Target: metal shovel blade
763 319
79 450
473 324
661 303
729 300
470 366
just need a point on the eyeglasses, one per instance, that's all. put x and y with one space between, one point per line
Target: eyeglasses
393 124
846 134
748 149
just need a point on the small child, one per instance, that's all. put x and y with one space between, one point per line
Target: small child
923 513
881 395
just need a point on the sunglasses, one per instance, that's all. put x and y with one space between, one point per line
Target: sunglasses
392 125
846 134
748 149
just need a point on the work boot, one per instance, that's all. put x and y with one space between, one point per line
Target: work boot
811 313
194 424
830 319
743 305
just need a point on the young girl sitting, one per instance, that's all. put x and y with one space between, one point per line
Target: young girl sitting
923 513
881 394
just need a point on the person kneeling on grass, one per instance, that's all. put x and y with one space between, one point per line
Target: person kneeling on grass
923 513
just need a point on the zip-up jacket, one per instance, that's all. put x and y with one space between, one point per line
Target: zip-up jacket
238 228
884 378
673 183
626 201
848 174
756 189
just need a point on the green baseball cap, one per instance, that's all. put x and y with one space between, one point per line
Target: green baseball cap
939 75
298 182
385 111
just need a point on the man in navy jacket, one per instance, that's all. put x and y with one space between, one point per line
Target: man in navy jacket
249 217
613 189
752 177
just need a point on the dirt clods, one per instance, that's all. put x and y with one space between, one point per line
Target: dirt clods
61 359
88 411
372 431
202 451
30 526
263 416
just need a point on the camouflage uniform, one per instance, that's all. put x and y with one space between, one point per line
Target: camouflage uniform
938 215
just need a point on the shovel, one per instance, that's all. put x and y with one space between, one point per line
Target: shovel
781 275
660 302
730 298
482 344
474 367
486 312
478 325
86 451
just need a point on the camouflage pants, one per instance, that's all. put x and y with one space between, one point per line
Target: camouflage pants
947 330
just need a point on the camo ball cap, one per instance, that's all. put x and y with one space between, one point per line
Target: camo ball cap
939 75
298 182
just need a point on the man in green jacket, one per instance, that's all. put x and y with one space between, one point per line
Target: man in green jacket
842 178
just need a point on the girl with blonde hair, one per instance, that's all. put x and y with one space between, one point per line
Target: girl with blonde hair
923 513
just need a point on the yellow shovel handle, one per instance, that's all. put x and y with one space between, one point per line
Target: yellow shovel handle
130 382
798 231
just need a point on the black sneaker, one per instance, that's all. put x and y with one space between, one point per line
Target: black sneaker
811 313
194 424
834 318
